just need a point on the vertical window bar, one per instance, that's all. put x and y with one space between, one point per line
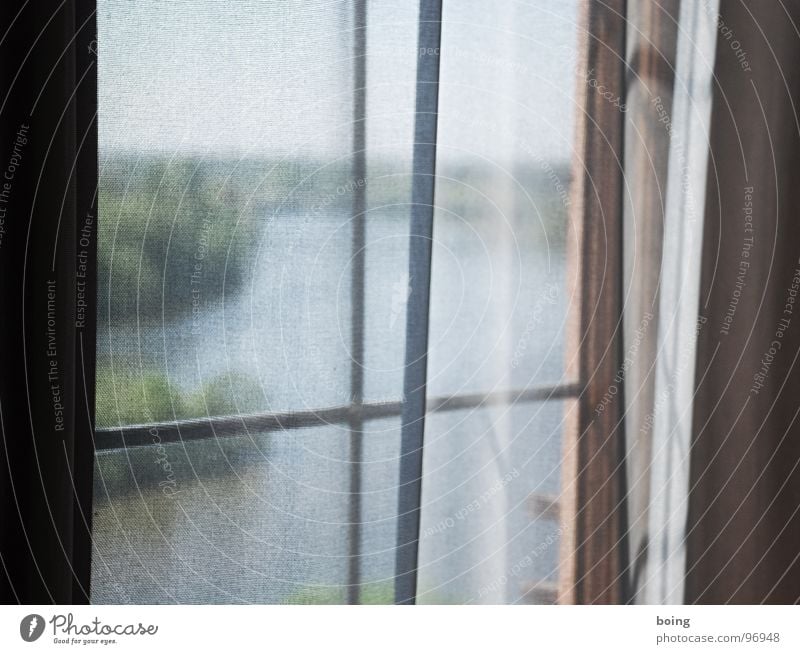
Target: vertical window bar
594 552
357 297
419 266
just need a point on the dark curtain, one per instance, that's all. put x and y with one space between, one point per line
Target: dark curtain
47 240
744 516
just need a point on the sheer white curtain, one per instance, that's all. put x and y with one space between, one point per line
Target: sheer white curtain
687 123
491 482
263 291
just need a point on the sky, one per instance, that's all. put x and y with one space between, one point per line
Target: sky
274 78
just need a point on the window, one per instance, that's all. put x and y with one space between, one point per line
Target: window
385 310
270 297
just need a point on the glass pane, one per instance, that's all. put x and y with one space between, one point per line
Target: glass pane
226 199
499 295
258 518
231 282
391 97
254 211
490 527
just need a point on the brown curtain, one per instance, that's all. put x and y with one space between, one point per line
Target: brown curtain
743 531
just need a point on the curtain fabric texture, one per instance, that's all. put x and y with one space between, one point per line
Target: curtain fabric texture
709 373
667 135
678 321
652 44
492 487
419 268
299 278
743 523
417 313
47 245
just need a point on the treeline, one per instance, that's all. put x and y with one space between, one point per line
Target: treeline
168 223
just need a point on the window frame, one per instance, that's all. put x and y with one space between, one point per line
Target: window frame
579 503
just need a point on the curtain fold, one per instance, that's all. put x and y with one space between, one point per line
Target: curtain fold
47 219
417 318
686 120
652 44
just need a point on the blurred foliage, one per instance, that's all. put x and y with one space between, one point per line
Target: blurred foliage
381 592
130 397
162 217
163 220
